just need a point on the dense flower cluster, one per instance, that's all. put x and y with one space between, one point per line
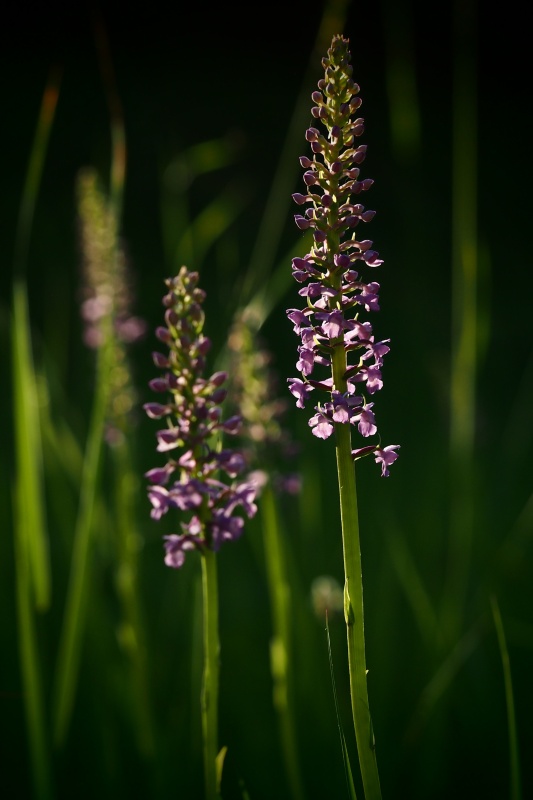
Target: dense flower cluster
189 480
330 328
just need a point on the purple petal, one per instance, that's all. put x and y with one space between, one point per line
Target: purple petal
386 456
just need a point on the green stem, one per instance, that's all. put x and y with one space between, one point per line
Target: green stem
133 629
353 596
29 656
280 645
515 791
211 669
74 618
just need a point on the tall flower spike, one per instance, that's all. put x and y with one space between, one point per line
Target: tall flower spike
190 479
334 273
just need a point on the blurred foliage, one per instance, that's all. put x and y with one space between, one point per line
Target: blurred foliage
213 122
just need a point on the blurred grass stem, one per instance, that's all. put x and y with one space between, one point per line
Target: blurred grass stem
464 324
76 602
126 492
515 791
280 645
32 564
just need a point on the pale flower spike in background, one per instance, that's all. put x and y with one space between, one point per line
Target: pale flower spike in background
336 292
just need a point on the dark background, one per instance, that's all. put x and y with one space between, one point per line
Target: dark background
194 73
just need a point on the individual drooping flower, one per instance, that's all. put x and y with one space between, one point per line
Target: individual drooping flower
335 273
254 391
191 479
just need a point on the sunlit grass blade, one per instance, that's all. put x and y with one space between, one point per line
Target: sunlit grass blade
132 632
27 431
281 641
75 605
180 237
31 524
345 756
33 576
210 224
272 291
515 792
34 171
29 656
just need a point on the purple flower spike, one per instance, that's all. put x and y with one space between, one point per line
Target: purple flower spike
194 417
330 329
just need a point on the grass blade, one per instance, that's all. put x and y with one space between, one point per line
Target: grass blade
515 792
29 657
280 645
75 606
31 523
345 756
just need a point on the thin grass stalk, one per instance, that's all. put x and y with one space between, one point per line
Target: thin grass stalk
33 576
118 134
209 700
281 645
31 525
74 617
515 790
29 657
30 542
345 757
35 170
28 436
134 639
464 325
31 546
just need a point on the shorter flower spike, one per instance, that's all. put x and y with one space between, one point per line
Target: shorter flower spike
190 480
334 272
254 387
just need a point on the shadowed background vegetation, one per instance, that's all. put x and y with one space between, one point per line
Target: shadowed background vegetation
209 106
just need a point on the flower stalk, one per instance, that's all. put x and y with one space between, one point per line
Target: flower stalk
190 481
209 700
335 339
